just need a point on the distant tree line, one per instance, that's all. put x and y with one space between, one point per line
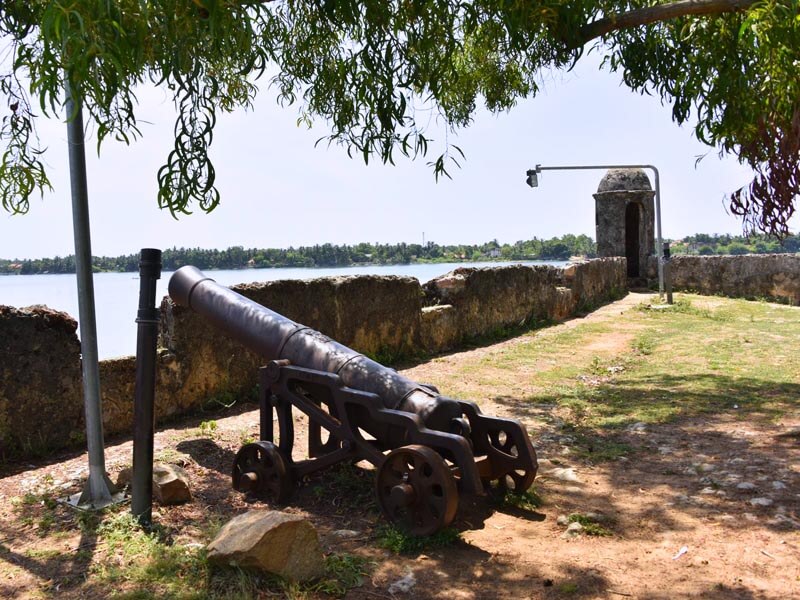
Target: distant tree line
706 244
321 255
330 255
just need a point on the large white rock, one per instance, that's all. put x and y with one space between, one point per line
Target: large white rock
280 543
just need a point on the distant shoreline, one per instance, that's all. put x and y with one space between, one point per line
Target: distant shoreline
317 267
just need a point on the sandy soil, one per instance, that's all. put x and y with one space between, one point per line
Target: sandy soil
706 508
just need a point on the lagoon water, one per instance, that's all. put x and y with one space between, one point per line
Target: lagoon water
117 294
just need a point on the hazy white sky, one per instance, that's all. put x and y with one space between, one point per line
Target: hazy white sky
279 191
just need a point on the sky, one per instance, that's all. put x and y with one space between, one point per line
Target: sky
278 190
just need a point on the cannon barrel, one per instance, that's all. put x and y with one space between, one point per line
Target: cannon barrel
275 337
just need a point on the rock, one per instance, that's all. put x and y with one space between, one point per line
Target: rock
638 427
344 534
760 501
564 474
665 450
279 543
170 484
778 485
745 485
707 491
562 520
596 517
403 585
124 478
573 530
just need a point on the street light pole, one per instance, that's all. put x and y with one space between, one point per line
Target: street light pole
99 492
533 181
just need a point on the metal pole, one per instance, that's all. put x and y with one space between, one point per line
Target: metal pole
659 244
98 490
143 407
540 168
667 273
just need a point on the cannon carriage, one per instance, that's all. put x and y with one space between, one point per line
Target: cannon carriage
427 449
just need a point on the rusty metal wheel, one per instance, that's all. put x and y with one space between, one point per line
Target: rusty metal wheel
517 481
416 490
261 469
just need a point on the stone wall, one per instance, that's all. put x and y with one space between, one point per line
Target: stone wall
384 317
40 381
770 276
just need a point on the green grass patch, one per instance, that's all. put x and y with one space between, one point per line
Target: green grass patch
400 542
590 526
528 500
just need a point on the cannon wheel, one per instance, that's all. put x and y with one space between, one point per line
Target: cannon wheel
261 469
517 481
416 490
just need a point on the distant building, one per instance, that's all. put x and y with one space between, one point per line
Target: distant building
494 253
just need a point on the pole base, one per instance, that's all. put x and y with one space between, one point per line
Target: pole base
90 499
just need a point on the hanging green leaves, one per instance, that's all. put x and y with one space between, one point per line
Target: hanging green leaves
379 72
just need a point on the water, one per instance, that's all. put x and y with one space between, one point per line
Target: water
117 294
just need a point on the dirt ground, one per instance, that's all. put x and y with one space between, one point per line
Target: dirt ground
706 507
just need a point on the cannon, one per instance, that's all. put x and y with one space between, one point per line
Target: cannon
426 448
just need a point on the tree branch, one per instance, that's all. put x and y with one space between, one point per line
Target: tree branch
660 12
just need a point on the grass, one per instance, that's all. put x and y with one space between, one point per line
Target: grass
400 542
590 526
701 356
529 500
704 357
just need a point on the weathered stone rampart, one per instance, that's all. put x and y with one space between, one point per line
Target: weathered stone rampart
771 276
40 380
385 317
752 276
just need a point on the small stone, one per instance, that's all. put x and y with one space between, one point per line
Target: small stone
706 481
746 485
704 467
573 489
778 485
596 517
279 543
124 477
564 475
344 534
761 501
665 450
170 484
707 491
403 585
638 427
573 530
562 520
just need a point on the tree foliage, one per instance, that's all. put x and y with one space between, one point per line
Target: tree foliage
322 255
374 70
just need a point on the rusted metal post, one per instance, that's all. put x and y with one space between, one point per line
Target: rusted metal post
144 398
667 273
